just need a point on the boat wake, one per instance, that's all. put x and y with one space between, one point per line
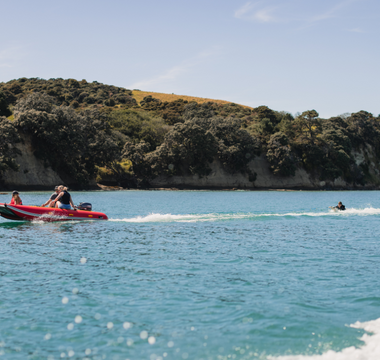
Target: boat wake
48 218
369 351
243 216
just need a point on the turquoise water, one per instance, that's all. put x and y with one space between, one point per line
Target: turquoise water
194 275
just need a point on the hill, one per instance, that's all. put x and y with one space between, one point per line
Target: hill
140 95
85 131
82 94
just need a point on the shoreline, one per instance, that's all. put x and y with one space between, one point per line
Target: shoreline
187 188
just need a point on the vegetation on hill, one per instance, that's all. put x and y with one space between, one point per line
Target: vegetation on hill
70 92
83 130
140 95
71 143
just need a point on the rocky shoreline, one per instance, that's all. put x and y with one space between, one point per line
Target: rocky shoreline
34 175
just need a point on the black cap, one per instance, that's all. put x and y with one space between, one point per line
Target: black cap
15 192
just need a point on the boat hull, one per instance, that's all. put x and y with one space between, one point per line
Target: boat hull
31 213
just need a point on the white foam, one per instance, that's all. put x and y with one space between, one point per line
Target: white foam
370 350
236 216
47 218
175 218
366 211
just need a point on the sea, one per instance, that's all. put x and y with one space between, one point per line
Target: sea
212 275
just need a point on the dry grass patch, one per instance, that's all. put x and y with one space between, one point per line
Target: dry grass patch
139 96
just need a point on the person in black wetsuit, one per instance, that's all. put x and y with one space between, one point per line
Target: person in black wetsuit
63 200
340 206
52 197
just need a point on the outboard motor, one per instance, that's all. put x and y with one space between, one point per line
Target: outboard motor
84 206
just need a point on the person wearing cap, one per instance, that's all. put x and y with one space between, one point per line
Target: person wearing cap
52 197
16 200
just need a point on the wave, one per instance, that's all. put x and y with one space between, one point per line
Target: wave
369 351
241 216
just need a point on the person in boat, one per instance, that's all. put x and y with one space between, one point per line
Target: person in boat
52 197
63 200
16 200
340 206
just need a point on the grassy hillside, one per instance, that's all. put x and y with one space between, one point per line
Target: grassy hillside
139 95
82 94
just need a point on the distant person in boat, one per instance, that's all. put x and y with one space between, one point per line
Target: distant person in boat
340 206
16 200
63 200
52 197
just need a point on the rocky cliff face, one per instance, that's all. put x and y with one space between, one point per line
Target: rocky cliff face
33 175
265 179
219 178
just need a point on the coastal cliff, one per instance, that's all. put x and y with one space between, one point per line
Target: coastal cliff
34 175
219 178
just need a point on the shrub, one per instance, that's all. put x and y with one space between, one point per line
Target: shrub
82 96
74 104
89 100
9 137
4 108
236 147
68 97
109 102
150 103
279 155
263 112
73 83
139 126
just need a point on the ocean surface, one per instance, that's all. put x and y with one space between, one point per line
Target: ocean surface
195 275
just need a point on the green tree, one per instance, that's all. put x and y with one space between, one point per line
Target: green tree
236 147
150 103
188 148
363 129
263 112
137 154
309 126
139 126
198 111
72 143
9 138
74 83
4 108
280 156
172 111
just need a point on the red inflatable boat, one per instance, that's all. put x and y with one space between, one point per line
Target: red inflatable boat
30 213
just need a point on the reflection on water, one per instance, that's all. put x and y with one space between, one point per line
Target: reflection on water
13 224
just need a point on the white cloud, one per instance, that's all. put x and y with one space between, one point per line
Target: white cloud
260 11
239 13
254 12
331 13
175 72
264 15
357 30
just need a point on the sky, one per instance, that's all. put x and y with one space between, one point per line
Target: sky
291 55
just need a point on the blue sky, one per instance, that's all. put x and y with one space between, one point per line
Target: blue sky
291 55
